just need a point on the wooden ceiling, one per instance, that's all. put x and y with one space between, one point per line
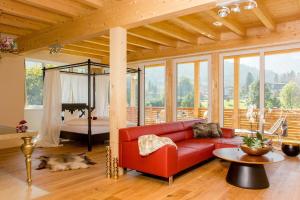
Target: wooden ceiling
24 17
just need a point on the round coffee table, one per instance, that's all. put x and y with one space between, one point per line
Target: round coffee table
247 171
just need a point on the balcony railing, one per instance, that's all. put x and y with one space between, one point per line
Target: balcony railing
155 115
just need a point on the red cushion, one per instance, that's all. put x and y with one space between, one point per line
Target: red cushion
195 144
188 156
175 137
132 133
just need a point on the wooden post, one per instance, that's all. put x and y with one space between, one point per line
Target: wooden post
236 94
169 91
118 65
215 96
196 88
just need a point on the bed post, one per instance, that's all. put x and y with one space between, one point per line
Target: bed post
89 107
139 98
44 72
94 90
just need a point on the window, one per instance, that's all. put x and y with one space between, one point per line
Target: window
34 83
228 84
192 90
185 91
241 90
132 97
155 94
282 90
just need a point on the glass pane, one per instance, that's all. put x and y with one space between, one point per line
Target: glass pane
282 93
155 94
203 107
34 83
132 98
185 91
228 78
248 93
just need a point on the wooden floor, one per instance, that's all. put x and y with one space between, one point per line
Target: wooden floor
206 181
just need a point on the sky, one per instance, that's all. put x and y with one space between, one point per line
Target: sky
279 63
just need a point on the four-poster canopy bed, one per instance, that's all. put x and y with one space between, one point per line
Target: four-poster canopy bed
89 107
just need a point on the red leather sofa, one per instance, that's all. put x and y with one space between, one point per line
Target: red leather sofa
167 161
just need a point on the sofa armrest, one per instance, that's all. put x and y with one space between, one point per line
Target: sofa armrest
228 132
162 162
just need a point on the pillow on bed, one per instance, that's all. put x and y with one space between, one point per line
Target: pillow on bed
68 116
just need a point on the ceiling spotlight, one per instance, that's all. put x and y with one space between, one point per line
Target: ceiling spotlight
250 5
217 23
55 48
236 8
224 12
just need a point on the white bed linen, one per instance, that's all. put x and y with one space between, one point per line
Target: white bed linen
99 126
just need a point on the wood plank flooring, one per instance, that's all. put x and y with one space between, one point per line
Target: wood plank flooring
206 181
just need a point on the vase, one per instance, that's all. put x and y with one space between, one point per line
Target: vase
255 151
290 149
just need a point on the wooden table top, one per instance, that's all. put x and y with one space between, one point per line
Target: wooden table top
237 155
7 133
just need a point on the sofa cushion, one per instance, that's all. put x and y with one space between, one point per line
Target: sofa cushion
176 136
195 144
189 156
132 133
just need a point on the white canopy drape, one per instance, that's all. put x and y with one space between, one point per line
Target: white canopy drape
50 128
102 96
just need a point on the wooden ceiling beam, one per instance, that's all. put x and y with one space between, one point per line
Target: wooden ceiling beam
98 41
105 42
29 12
77 53
13 30
85 50
92 46
21 22
131 41
52 6
139 42
264 16
171 30
193 23
150 35
92 3
137 13
230 24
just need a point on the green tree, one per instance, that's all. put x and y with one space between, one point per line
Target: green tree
185 92
34 86
271 100
188 101
290 95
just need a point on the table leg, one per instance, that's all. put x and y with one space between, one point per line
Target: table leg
27 149
251 176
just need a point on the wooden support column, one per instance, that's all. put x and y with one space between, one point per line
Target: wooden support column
196 88
170 91
236 95
215 88
118 65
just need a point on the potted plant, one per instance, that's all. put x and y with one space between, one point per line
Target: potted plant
255 144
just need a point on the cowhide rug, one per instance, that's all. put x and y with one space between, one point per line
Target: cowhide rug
61 162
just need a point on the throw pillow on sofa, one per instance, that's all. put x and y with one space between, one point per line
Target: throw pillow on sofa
207 130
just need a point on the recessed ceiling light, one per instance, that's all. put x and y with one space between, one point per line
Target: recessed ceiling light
250 5
224 12
236 8
217 23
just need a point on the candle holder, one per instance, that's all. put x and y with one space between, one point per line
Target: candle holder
115 168
108 162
